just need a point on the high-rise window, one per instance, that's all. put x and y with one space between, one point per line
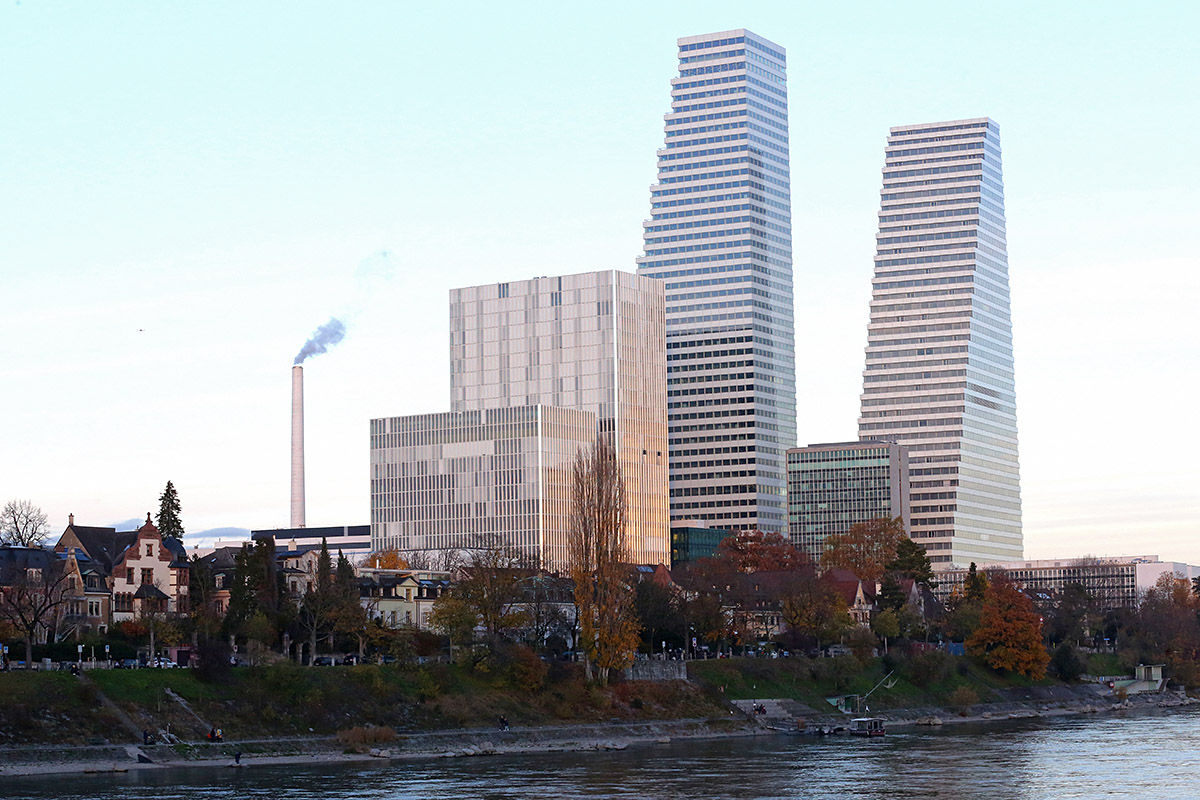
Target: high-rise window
719 235
939 366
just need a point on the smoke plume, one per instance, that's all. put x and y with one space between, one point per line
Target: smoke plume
325 337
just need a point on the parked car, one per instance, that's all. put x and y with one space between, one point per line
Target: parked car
323 661
351 660
387 658
127 663
163 663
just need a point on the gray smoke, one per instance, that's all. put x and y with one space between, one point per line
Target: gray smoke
325 337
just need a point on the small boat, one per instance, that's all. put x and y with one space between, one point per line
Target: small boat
866 726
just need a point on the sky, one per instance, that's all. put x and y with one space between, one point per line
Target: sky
187 191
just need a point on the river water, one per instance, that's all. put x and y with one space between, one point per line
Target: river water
1145 755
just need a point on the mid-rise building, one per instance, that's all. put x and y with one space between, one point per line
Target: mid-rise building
462 480
719 235
692 540
1115 582
352 541
939 359
832 487
594 342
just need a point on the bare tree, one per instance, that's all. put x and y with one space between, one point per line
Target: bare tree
598 561
31 594
22 523
490 583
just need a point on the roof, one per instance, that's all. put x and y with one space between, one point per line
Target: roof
18 559
148 591
104 546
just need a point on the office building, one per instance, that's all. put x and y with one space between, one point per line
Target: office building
462 480
832 487
692 540
719 235
1114 582
939 356
352 541
594 342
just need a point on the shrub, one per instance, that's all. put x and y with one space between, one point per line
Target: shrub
963 698
362 737
862 643
1067 663
932 666
526 671
213 660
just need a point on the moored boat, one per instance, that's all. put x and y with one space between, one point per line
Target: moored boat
866 726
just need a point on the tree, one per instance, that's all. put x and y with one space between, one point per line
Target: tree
866 548
23 524
657 612
755 551
1009 635
912 563
974 585
350 616
169 524
31 591
597 558
490 583
886 625
387 559
319 607
454 618
815 608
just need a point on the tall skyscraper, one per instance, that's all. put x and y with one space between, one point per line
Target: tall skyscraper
719 234
939 371
594 342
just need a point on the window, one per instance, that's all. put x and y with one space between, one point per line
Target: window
147 576
149 549
129 575
220 582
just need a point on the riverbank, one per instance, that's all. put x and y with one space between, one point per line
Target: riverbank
599 737
43 760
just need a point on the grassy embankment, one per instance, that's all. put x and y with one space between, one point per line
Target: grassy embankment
286 700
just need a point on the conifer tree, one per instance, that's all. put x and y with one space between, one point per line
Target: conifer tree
169 524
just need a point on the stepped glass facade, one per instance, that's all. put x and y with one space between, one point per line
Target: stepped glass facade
594 342
939 366
719 235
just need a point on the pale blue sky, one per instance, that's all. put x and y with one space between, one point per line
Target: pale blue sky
215 173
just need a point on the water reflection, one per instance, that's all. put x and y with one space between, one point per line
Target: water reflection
1151 756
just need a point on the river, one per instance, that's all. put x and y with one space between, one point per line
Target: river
1145 755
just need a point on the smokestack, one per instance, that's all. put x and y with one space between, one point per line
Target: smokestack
297 446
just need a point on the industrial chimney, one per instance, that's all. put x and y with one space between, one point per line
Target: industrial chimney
297 446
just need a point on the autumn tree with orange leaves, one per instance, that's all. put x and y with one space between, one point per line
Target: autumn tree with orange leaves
755 551
866 549
387 559
1009 635
599 562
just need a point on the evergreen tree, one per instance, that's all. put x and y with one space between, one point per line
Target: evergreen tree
169 523
974 585
912 562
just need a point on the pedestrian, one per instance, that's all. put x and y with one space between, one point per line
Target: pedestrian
237 758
